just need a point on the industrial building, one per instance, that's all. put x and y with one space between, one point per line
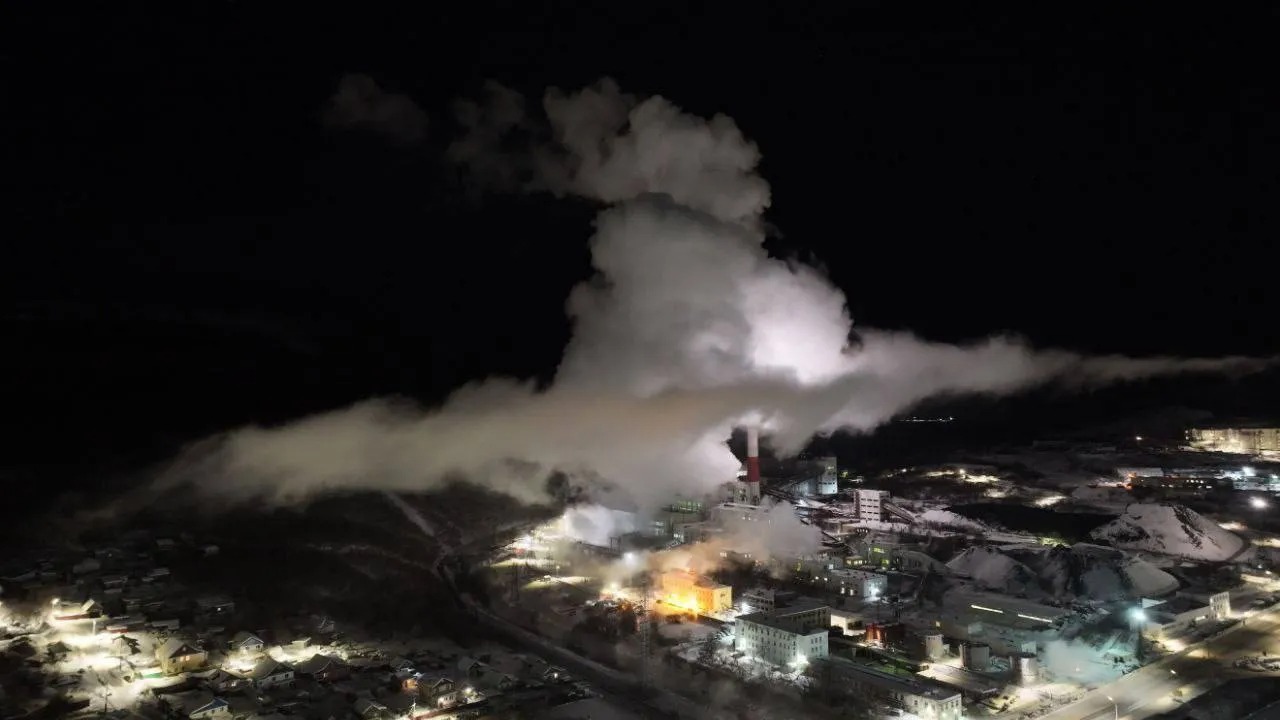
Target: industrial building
1252 441
1162 619
1007 624
687 589
915 694
784 636
832 576
870 504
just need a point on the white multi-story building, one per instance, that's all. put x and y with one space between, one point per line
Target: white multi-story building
869 504
784 636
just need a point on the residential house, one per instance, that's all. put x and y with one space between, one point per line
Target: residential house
437 691
269 673
492 682
179 656
470 667
323 668
221 681
199 705
247 643
370 709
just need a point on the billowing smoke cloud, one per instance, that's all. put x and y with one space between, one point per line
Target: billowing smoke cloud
687 330
360 102
1080 662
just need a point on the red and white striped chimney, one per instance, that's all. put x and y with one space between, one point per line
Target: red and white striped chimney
753 455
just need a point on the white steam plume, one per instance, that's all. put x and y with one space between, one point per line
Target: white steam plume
688 329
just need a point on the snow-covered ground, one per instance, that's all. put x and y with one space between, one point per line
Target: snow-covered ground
1171 530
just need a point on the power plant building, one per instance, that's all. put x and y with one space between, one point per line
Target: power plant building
784 636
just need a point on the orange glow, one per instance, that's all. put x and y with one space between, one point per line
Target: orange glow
685 602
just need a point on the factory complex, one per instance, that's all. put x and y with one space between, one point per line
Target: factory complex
871 609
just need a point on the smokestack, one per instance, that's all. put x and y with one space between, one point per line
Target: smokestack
749 490
753 455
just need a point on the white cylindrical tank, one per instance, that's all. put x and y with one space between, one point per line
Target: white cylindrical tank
975 656
933 646
1028 668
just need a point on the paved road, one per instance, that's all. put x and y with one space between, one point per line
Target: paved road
1149 691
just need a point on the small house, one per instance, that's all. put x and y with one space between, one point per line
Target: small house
437 691
179 656
269 673
247 643
322 667
198 705
369 709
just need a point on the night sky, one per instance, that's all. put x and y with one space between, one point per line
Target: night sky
189 247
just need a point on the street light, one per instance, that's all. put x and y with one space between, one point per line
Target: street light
1258 502
1115 705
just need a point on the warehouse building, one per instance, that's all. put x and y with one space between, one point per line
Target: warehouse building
917 695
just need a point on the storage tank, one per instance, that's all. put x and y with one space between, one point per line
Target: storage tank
933 649
1027 668
976 656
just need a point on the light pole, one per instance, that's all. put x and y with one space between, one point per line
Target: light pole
1115 705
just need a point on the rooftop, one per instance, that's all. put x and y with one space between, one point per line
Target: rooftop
781 618
906 685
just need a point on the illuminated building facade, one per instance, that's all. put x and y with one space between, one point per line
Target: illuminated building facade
786 636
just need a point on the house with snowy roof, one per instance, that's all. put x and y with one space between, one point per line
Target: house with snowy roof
177 655
269 673
198 705
246 643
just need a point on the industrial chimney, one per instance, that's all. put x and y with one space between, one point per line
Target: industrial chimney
751 483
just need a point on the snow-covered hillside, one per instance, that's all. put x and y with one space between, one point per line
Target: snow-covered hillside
1169 529
1078 572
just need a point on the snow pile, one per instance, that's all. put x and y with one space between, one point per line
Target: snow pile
1169 529
1079 572
992 569
951 521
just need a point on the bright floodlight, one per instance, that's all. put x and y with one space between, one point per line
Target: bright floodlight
1138 438
1258 502
1137 615
1248 471
629 558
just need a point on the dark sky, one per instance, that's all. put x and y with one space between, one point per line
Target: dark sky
188 247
